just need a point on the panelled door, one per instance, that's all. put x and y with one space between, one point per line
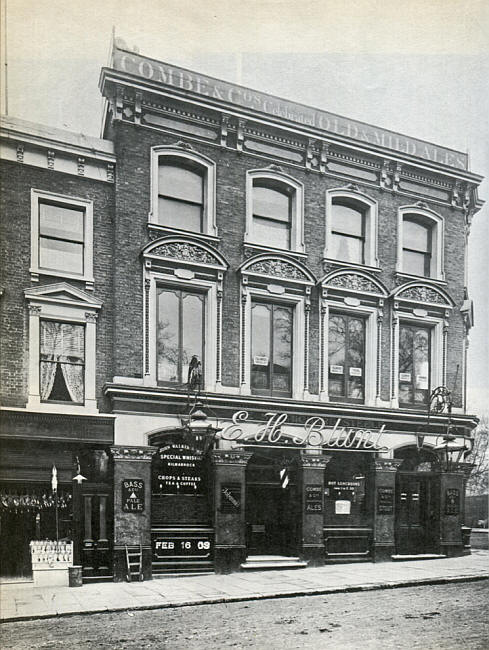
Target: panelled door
417 519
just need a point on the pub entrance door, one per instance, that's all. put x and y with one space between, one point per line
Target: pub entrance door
418 513
271 505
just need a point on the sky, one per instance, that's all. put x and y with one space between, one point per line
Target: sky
420 67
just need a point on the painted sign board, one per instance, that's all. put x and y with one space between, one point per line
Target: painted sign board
385 500
314 499
173 546
231 498
452 501
178 469
133 495
215 90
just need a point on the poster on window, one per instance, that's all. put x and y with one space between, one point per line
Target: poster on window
336 370
422 382
260 361
342 507
405 376
355 372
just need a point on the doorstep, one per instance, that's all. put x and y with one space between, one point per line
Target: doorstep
270 562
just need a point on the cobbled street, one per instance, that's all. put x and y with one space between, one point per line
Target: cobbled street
443 616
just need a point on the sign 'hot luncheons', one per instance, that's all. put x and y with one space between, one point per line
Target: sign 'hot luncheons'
224 92
314 433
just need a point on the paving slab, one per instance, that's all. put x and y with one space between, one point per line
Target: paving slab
24 601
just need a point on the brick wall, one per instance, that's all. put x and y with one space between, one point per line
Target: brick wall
15 253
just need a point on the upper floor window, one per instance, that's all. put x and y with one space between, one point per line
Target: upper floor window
180 195
414 364
271 349
346 338
274 210
420 243
62 362
61 236
351 227
348 233
183 190
180 333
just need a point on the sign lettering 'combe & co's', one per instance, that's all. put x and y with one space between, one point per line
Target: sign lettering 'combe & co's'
315 433
225 92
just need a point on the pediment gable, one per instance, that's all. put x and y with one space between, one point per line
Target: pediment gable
62 292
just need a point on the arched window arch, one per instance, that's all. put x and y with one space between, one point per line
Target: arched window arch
351 227
420 243
183 190
274 212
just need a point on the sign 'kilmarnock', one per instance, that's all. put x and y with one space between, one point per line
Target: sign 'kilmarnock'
314 434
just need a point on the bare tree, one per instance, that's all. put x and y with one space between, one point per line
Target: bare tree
479 456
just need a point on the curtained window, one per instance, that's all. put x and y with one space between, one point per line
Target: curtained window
62 362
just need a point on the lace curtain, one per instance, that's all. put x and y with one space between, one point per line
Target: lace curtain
63 347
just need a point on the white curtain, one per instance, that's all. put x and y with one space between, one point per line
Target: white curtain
63 344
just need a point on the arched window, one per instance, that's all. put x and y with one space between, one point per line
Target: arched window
351 227
420 243
180 194
416 246
348 232
272 212
183 191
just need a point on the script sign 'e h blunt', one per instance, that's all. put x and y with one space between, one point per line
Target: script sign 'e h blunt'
314 434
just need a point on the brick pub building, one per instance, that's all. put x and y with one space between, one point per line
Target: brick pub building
242 321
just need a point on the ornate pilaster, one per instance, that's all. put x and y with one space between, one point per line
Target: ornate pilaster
380 318
323 159
132 528
50 159
80 166
224 130
219 333
312 507
394 354
322 344
307 314
382 484
229 470
147 289
244 299
240 135
444 353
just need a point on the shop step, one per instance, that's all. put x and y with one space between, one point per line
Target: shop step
182 568
421 556
268 562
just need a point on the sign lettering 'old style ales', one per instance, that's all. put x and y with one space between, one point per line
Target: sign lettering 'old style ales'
225 92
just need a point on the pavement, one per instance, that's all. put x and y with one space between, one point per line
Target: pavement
23 601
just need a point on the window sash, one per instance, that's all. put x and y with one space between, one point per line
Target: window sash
179 345
61 241
270 374
346 376
62 362
180 196
414 379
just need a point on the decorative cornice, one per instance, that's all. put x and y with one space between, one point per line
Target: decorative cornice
225 457
314 461
144 454
386 464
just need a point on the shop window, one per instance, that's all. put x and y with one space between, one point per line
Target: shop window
61 236
62 362
351 227
416 247
414 365
272 213
180 333
348 233
346 358
420 243
271 349
183 191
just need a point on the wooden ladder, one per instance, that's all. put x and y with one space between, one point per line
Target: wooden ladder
134 558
